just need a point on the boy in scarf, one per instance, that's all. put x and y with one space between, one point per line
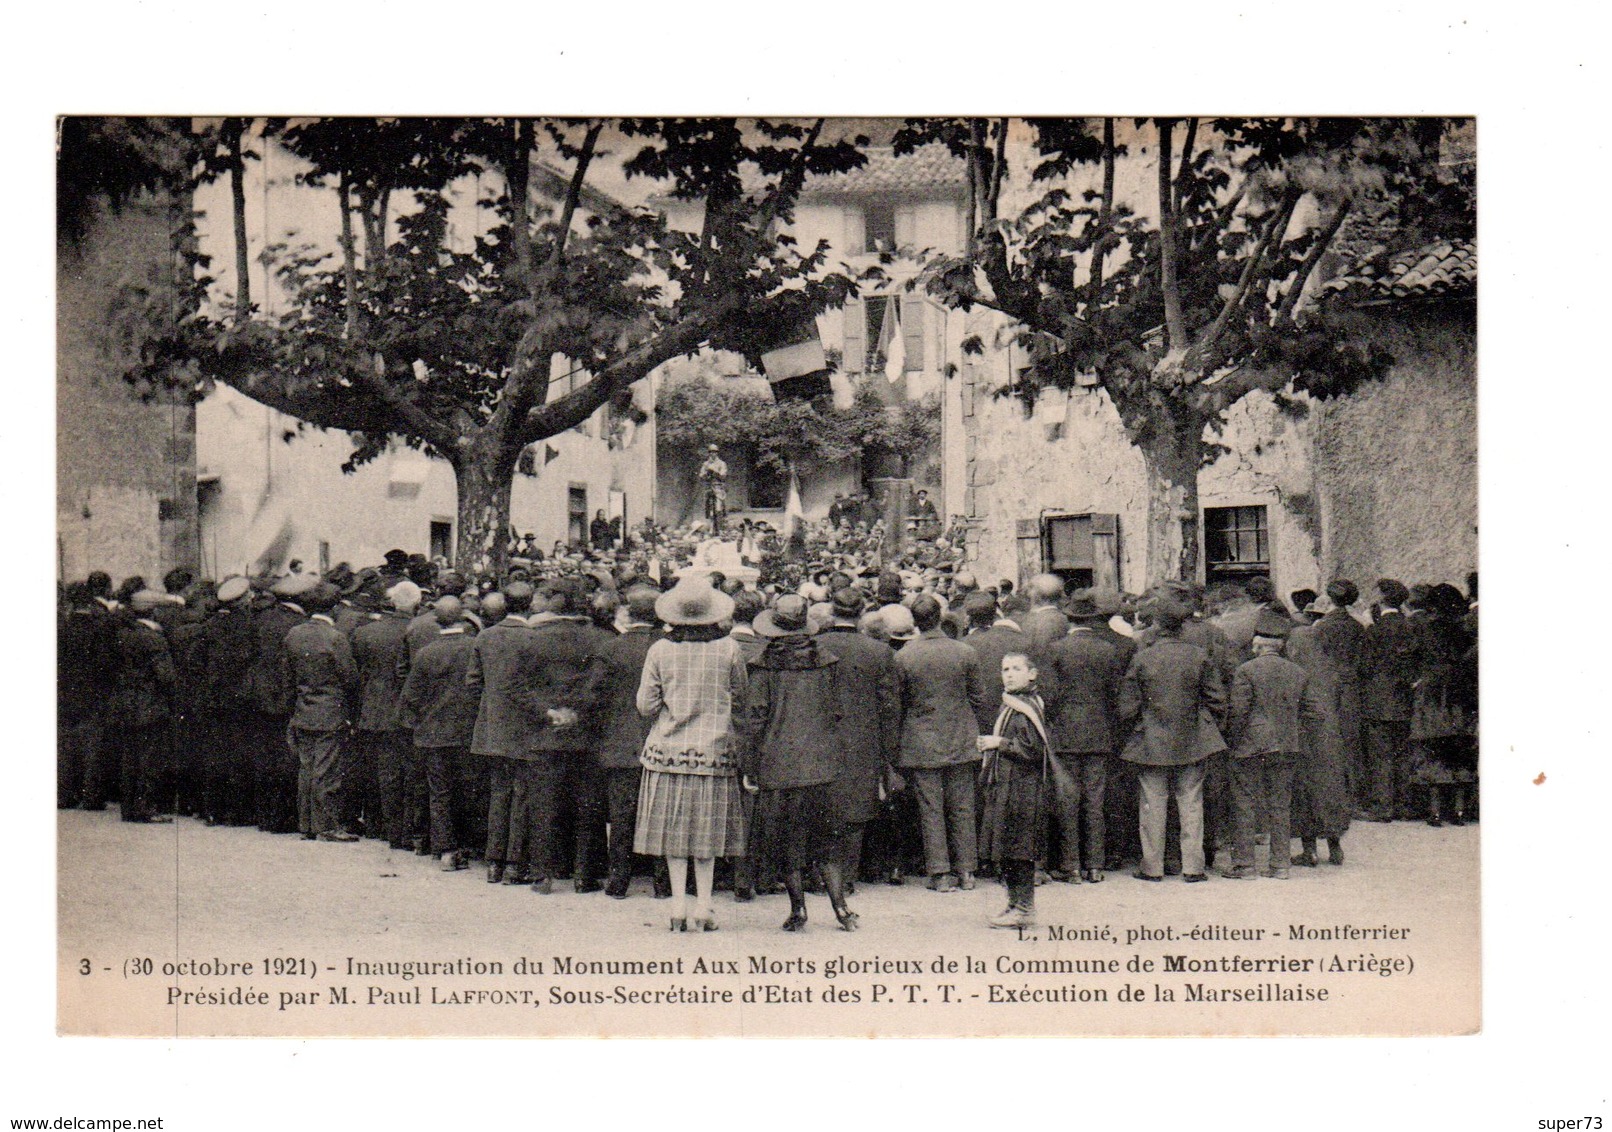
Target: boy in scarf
1013 779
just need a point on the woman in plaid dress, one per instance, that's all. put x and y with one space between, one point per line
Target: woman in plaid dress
689 796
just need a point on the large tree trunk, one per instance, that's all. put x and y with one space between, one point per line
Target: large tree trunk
484 479
1171 457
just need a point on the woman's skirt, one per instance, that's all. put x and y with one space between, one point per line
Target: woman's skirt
689 815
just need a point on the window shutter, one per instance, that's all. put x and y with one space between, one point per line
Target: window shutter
1105 551
855 231
1028 532
906 226
856 340
913 311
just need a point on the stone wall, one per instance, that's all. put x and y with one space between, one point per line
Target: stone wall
1381 482
267 484
125 468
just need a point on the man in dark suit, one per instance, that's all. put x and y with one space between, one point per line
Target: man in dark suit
319 665
192 739
1120 835
1175 696
621 732
86 682
1045 622
941 692
224 652
870 726
1391 665
147 681
991 637
503 730
275 770
1079 678
439 711
1341 641
385 786
1273 708
566 670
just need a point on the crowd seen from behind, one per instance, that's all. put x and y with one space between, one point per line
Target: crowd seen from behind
833 712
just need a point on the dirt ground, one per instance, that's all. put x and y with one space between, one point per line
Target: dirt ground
303 913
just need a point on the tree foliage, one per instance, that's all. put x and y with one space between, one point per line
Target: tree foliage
691 415
1188 296
398 333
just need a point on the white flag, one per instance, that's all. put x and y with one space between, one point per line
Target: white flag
895 358
794 514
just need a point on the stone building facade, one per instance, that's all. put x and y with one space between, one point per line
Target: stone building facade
1380 483
889 212
125 467
271 491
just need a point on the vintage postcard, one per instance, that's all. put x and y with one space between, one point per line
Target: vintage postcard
845 577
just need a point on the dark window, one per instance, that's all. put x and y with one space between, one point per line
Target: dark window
576 512
442 539
768 486
1237 544
526 463
167 510
879 226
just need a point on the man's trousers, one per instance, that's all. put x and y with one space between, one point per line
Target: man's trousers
946 815
145 756
1387 743
1079 781
1262 794
319 770
452 800
275 774
621 806
400 786
78 761
512 839
1155 785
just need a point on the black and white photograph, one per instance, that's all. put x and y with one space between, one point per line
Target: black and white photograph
832 566
666 576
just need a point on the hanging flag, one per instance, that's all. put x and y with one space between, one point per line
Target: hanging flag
794 515
895 352
274 554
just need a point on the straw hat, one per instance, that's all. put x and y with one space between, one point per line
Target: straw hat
693 602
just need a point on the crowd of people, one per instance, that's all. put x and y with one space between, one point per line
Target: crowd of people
809 722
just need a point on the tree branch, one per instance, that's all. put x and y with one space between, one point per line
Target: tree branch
517 180
972 237
349 266
538 422
1185 168
234 128
1290 301
1235 386
248 371
580 404
1174 323
976 169
417 422
1201 350
573 194
999 166
1105 213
